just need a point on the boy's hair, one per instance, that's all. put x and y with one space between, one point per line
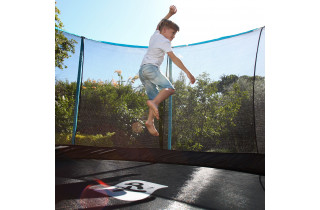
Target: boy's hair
168 24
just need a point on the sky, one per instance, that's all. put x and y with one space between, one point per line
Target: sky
133 21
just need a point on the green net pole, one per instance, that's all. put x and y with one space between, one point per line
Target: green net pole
170 108
76 107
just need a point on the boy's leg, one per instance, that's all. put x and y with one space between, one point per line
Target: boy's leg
152 92
153 109
153 104
167 90
150 124
151 77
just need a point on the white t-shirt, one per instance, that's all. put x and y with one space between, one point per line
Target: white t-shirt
158 46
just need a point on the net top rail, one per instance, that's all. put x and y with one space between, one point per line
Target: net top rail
178 46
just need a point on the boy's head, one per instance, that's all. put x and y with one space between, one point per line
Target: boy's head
168 29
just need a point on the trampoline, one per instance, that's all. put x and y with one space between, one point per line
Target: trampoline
213 157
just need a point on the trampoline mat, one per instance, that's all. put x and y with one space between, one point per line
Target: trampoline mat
114 184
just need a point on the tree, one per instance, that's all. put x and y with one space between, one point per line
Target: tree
204 114
62 45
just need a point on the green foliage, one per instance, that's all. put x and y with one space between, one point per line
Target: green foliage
62 45
209 116
218 114
204 114
64 114
226 81
87 140
189 145
108 105
64 106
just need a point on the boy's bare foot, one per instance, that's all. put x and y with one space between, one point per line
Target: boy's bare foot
154 108
152 130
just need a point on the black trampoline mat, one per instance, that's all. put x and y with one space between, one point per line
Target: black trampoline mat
114 184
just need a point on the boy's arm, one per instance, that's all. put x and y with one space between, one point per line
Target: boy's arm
179 63
172 11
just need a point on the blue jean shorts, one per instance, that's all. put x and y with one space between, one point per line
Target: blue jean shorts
152 79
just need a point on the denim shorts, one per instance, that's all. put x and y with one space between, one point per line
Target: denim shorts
152 79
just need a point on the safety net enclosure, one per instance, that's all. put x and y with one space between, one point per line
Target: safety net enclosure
100 100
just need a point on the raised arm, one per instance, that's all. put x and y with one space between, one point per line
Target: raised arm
179 63
172 11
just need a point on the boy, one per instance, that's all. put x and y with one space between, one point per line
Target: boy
149 73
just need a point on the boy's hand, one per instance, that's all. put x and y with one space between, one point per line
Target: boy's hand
191 78
172 10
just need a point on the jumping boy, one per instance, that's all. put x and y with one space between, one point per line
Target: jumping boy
149 73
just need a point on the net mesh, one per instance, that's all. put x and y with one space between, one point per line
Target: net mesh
65 92
222 112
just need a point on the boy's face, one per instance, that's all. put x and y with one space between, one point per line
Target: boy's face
169 33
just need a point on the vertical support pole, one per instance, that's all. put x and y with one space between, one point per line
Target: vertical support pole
253 93
170 108
76 106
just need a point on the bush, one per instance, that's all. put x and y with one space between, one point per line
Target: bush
64 106
87 140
